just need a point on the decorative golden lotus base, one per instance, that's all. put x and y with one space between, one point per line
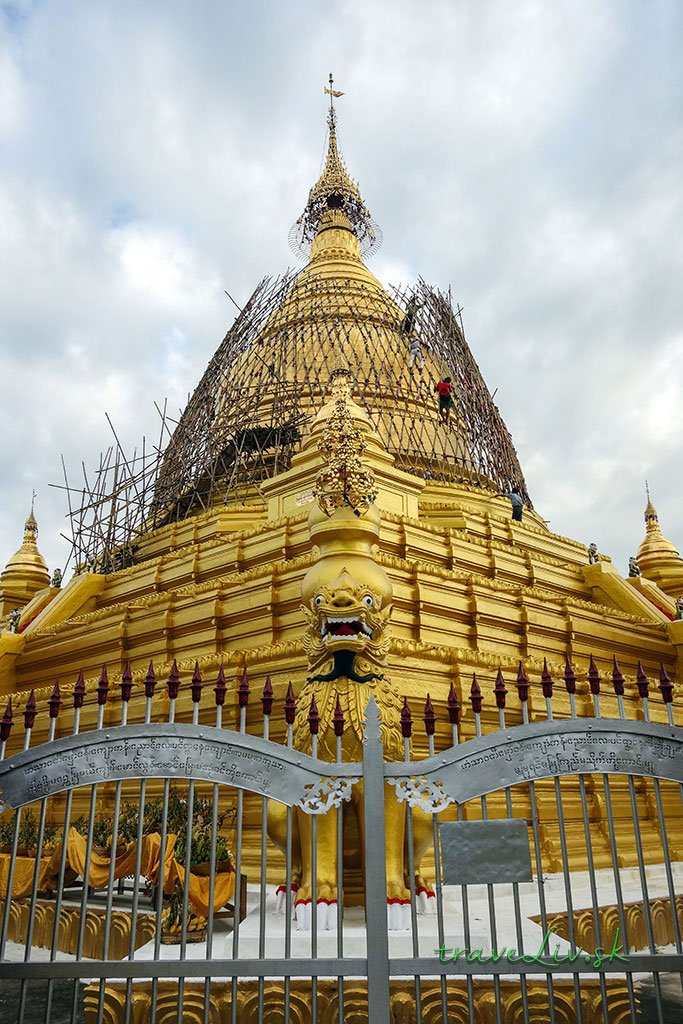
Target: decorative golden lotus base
635 919
355 1002
69 926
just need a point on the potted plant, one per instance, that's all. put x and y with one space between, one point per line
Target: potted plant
50 836
202 838
101 834
172 921
6 834
28 835
129 816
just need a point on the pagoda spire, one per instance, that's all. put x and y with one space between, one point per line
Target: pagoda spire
335 190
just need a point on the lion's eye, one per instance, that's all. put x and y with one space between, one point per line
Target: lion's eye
319 600
367 601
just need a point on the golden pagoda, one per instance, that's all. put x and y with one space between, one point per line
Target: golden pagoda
658 559
26 572
201 554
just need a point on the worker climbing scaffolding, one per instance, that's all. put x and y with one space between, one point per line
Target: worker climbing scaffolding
411 314
445 392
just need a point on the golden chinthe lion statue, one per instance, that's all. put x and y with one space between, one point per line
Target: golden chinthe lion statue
347 600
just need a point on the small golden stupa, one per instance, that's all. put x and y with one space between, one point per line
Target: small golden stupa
658 559
26 571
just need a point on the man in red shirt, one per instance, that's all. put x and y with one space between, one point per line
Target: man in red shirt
445 389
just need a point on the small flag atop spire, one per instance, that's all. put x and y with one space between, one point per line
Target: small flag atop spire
332 92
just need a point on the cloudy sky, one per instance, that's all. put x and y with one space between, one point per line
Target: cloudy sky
528 154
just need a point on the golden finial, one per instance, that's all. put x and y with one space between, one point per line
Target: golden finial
335 190
343 482
651 517
334 94
31 524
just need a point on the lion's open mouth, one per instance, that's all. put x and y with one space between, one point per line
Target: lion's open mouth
338 626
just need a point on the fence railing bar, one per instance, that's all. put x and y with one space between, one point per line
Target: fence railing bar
112 868
647 912
340 886
172 687
490 894
37 868
615 862
149 690
566 873
314 895
406 725
437 874
515 885
86 866
188 854
290 707
267 706
219 691
29 719
454 715
243 695
666 851
523 691
595 902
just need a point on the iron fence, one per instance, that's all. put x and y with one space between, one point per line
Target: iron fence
550 893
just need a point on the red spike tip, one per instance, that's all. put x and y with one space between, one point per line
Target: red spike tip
313 718
243 689
569 675
6 723
430 717
338 719
642 682
475 695
173 682
150 681
126 683
500 690
593 677
220 688
546 680
196 684
453 706
55 701
79 691
267 697
617 678
406 720
522 684
290 706
665 685
103 686
30 711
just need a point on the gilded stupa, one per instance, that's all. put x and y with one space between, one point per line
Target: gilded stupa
26 571
202 552
658 559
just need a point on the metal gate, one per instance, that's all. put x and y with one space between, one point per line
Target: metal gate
554 856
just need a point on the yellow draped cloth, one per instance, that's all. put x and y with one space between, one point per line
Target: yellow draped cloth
124 864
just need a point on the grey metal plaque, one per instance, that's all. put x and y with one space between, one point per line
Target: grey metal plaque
167 751
473 852
544 750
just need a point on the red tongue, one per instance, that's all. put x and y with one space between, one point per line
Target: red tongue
344 629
